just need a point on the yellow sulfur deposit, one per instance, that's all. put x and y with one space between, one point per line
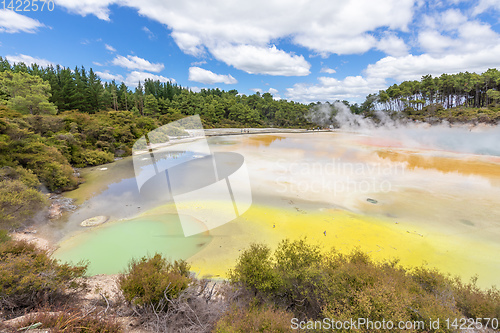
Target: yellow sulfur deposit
383 239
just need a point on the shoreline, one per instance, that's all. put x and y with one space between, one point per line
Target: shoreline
41 242
218 132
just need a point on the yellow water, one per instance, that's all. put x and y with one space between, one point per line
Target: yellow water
381 238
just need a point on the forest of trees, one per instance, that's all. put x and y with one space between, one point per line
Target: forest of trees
83 90
63 89
454 98
448 90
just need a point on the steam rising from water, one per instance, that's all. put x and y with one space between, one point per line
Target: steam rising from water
463 138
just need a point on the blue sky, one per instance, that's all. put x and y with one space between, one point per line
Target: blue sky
307 51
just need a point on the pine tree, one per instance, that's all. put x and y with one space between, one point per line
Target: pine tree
139 98
123 97
26 93
68 89
95 92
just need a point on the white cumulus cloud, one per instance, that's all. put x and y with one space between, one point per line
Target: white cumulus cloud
201 75
434 42
28 60
109 76
392 45
451 31
328 70
484 5
12 22
413 67
189 43
134 62
150 34
99 8
451 42
272 91
198 63
330 89
134 77
262 60
195 89
239 33
109 48
275 93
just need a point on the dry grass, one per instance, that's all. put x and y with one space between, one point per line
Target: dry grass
196 309
70 321
242 320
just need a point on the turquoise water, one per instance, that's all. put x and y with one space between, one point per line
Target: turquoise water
112 191
109 248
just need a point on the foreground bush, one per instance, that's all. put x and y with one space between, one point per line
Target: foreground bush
167 299
361 288
313 286
152 282
196 309
30 278
476 303
243 320
292 277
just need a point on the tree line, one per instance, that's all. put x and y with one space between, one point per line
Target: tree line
469 90
78 89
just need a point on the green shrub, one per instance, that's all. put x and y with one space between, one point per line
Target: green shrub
27 177
92 157
291 277
149 281
18 203
29 277
254 269
243 320
170 117
360 288
5 112
477 303
106 146
314 285
296 257
19 198
4 236
50 166
44 124
57 176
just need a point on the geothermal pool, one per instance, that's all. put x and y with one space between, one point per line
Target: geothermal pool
432 201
